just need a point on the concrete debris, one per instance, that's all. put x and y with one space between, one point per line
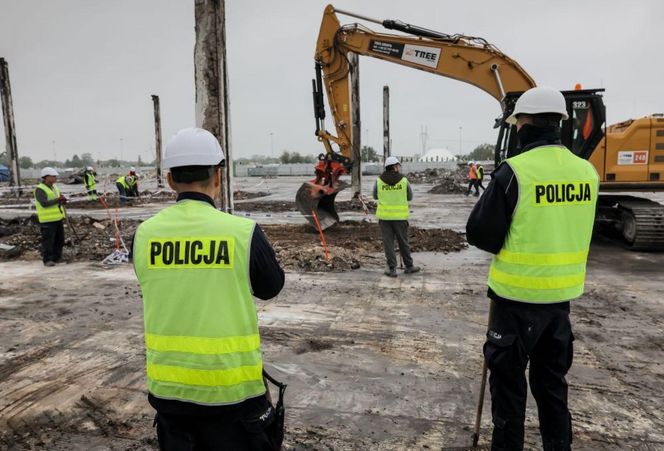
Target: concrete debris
445 181
7 251
242 195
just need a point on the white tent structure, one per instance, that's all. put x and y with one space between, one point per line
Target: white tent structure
438 155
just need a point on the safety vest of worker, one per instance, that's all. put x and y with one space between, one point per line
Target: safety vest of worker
472 173
123 181
90 182
543 259
392 200
52 213
127 181
480 171
201 327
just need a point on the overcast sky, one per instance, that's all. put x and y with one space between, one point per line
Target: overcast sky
82 71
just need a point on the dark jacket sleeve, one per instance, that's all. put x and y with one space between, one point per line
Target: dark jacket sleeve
267 277
409 193
489 222
41 197
375 191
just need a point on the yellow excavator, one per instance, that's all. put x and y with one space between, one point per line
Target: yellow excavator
628 156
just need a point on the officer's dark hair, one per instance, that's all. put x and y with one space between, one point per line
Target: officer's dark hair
192 174
545 120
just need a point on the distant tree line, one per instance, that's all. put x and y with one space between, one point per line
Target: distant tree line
482 152
74 162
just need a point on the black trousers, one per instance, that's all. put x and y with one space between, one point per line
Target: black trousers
53 240
213 433
472 183
399 230
541 334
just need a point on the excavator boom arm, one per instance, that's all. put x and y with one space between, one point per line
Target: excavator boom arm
468 59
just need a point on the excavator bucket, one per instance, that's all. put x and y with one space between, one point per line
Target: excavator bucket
319 199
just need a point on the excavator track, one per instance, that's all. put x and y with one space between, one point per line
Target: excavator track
638 222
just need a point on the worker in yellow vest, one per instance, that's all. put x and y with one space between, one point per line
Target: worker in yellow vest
90 182
127 187
536 216
198 269
50 214
393 193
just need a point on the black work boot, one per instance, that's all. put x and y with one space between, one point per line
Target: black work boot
391 272
412 269
556 445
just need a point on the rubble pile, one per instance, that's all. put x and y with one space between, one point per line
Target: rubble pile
90 240
429 175
242 195
445 181
352 244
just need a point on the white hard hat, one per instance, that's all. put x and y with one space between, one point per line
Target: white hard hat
132 169
389 161
48 171
193 147
89 168
539 100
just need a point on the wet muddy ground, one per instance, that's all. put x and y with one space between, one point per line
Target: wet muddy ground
350 244
372 362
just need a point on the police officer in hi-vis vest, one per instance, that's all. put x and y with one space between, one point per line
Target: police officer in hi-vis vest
393 193
199 269
537 217
50 214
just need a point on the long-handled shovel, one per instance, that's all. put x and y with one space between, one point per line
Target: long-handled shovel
480 401
73 231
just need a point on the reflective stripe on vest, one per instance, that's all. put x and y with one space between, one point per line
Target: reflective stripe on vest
392 200
544 256
201 327
52 213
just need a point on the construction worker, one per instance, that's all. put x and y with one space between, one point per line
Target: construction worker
198 269
537 216
472 179
393 193
480 176
50 213
90 182
132 171
127 187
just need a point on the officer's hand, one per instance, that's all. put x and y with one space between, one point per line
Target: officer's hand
62 199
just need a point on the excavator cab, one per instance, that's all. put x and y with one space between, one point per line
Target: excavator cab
580 133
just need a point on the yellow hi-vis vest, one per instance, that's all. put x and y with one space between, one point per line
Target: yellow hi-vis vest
544 256
201 327
52 213
392 200
90 182
123 181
